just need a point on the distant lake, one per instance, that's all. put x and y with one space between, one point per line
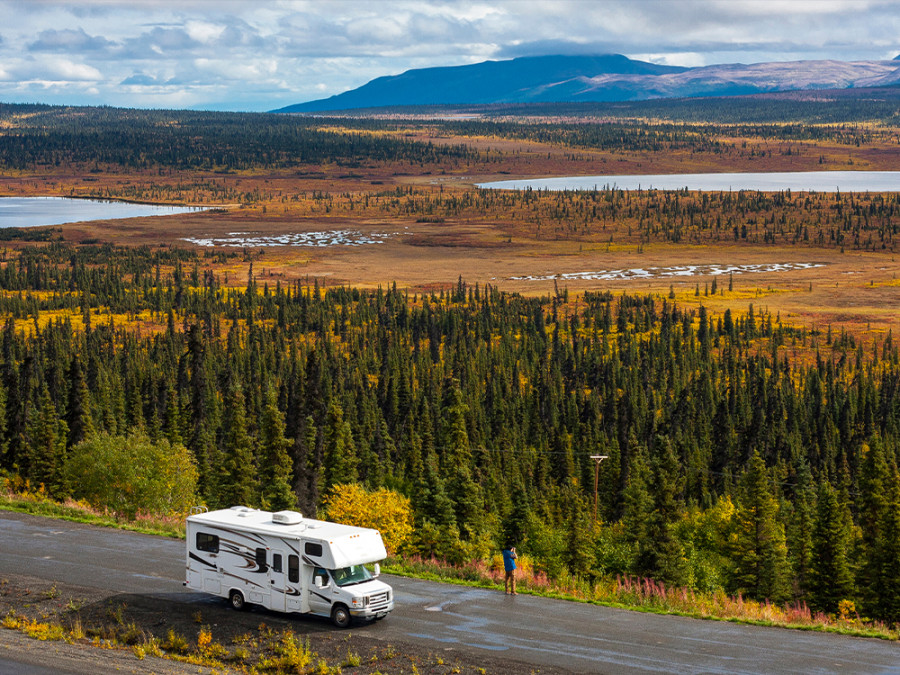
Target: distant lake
38 211
800 181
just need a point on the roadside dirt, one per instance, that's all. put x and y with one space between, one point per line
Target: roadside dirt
116 626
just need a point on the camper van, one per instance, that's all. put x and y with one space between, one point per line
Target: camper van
289 563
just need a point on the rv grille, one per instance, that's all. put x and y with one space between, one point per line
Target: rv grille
378 601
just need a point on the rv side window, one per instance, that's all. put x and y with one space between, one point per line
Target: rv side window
293 569
276 562
261 559
313 549
207 542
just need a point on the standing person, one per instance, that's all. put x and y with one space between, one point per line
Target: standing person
509 564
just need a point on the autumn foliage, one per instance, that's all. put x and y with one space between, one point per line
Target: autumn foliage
387 511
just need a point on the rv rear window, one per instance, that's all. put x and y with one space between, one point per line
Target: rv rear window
313 549
293 569
207 542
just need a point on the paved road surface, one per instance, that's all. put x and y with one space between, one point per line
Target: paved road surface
539 631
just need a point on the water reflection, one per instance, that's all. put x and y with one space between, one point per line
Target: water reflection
40 211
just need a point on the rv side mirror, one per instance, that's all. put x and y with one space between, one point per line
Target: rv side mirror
377 569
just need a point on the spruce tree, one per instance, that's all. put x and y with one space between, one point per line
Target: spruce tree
47 435
431 500
887 580
800 530
660 554
307 467
514 526
579 554
340 450
454 437
874 494
275 466
637 500
758 549
78 412
830 579
237 485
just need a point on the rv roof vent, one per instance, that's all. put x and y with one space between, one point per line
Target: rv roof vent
241 508
287 518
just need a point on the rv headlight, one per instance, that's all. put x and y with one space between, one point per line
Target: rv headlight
358 602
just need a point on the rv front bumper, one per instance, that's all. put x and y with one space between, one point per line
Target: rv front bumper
372 612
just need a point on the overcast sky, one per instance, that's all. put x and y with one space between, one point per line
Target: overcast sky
259 55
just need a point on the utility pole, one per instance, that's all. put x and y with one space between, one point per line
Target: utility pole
597 459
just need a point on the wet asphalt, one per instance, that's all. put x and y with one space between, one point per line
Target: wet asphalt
537 631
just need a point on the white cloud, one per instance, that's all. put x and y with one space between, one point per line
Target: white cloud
688 59
49 69
204 32
264 55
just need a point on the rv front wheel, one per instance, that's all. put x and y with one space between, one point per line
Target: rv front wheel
236 599
340 616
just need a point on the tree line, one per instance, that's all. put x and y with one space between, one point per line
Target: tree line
103 138
841 108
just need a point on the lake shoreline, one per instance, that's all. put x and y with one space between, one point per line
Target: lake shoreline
793 181
53 210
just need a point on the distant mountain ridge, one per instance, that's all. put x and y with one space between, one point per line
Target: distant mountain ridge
601 78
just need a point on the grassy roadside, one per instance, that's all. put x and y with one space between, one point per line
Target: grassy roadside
205 647
645 595
38 504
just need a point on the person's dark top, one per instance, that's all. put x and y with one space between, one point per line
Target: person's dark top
509 560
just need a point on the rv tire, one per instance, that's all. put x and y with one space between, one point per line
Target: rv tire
236 598
340 616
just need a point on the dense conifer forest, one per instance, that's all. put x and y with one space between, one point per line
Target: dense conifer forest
743 454
123 139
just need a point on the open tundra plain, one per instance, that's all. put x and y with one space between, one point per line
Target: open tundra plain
816 258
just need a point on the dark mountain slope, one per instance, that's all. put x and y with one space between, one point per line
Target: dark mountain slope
516 80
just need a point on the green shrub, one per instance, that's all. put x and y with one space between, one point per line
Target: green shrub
132 474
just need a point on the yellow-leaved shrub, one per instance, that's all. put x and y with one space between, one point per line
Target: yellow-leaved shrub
384 510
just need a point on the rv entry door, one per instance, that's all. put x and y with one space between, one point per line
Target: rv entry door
278 580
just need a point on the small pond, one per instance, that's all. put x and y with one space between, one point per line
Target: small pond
799 181
318 239
638 273
38 211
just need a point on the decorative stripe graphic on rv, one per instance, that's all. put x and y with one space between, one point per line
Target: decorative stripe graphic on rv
196 557
318 595
240 550
235 549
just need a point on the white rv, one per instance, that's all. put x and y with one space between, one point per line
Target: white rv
285 562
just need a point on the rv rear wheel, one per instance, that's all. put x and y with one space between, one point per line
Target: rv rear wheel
236 599
340 616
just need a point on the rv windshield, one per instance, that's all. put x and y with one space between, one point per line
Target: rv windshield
355 574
